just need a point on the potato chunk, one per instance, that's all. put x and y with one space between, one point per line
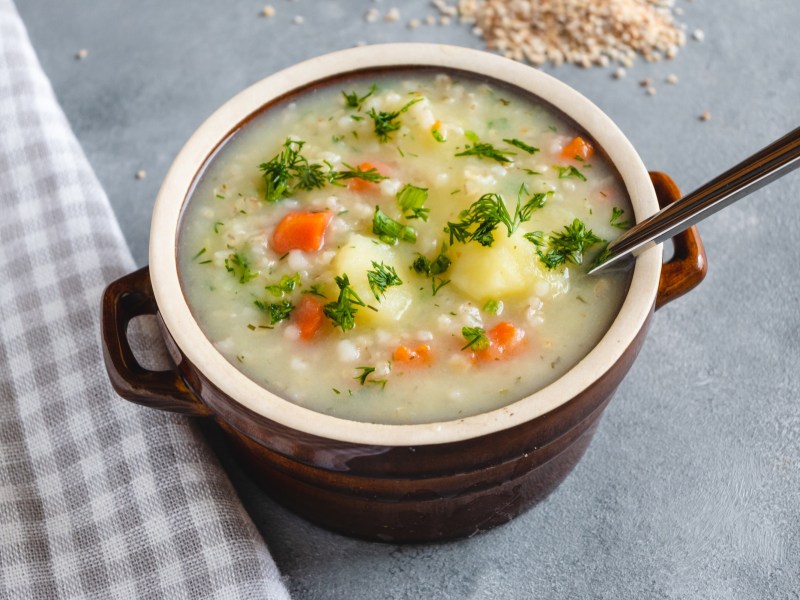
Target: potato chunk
355 259
507 267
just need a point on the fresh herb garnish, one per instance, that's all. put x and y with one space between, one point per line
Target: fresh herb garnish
566 245
437 284
386 122
521 145
239 266
217 225
381 278
277 311
315 290
437 134
284 286
484 149
290 171
389 230
475 337
479 221
365 372
616 213
352 99
570 171
437 266
432 268
411 200
493 307
357 172
199 254
342 312
279 171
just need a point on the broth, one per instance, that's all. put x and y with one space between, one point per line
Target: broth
404 248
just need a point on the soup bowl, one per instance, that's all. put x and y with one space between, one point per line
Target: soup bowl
399 483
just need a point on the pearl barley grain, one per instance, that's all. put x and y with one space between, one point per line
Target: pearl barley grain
82 53
141 174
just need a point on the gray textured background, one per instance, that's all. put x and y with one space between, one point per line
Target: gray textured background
691 488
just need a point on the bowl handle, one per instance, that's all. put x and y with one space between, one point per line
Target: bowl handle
688 266
124 299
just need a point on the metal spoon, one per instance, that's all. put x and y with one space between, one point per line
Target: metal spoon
766 165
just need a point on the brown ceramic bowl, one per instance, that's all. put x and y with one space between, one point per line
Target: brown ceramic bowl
391 482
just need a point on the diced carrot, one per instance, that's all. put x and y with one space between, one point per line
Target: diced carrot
578 148
301 230
504 340
362 185
402 354
308 316
419 355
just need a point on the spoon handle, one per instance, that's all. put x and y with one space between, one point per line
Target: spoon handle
766 165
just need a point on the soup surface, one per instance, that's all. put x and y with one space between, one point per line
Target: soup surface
407 248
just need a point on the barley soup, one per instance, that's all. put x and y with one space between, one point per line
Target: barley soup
405 248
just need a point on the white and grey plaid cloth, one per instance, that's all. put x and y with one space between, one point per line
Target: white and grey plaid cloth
99 498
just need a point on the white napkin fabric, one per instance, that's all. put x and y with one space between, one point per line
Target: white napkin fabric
99 498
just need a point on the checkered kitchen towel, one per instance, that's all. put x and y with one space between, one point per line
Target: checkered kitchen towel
99 498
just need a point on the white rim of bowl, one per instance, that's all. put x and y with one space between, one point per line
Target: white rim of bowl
201 352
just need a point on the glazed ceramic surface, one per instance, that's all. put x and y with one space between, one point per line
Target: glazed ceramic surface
392 482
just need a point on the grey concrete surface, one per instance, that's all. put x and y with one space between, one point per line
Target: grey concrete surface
691 488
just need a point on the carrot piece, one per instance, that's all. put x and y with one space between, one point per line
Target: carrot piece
402 354
301 230
362 185
504 340
308 316
578 148
419 355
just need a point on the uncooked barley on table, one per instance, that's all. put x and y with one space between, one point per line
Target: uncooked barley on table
583 32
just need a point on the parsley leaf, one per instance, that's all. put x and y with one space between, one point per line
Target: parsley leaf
381 278
389 230
342 312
